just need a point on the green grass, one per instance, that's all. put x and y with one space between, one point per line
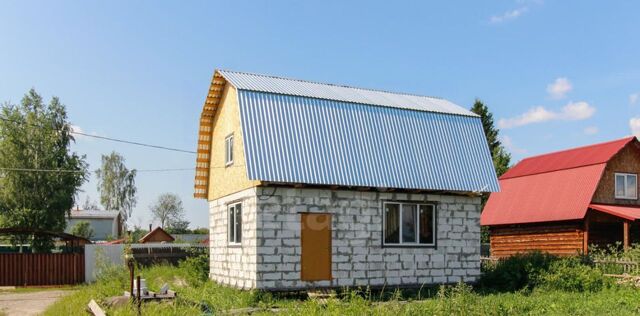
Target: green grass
459 300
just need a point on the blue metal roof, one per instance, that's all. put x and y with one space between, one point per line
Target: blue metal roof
300 139
271 84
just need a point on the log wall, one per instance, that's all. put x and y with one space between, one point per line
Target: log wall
564 238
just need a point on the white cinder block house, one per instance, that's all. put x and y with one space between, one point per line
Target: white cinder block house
319 185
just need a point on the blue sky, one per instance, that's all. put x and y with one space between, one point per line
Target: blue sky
556 74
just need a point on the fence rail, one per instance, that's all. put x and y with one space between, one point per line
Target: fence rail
23 269
617 267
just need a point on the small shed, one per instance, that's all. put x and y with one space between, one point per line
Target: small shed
564 202
157 235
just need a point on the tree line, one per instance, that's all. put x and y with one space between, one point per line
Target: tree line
40 176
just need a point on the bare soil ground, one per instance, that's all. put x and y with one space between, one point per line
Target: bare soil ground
29 302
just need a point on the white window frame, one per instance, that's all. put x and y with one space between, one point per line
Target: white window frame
417 242
234 240
228 150
615 186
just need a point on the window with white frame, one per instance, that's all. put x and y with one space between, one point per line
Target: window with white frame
228 150
409 224
235 223
626 186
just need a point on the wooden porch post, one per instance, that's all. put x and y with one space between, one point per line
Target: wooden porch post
585 235
626 234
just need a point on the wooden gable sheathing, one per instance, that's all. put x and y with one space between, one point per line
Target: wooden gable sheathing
204 136
220 118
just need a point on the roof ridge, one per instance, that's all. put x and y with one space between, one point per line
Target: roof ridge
551 171
332 84
628 139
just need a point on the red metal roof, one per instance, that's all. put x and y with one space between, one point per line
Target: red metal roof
626 212
567 159
552 196
552 187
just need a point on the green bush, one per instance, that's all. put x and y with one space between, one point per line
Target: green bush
521 271
572 274
196 267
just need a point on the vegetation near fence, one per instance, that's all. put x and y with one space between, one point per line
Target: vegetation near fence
529 284
150 254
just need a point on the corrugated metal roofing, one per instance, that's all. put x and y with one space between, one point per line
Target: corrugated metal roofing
295 139
551 187
571 158
626 212
544 197
271 84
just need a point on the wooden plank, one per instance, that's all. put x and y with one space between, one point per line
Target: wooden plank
625 240
95 309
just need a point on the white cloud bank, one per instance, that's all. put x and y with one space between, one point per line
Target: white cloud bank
508 15
591 130
559 88
634 124
507 142
571 112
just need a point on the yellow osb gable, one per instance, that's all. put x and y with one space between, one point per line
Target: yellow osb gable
220 118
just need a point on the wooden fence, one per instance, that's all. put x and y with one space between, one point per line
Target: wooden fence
149 254
24 269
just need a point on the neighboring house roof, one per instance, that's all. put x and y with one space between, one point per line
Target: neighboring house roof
303 132
88 214
567 159
631 213
551 187
156 235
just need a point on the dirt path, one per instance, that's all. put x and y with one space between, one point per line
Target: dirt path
29 303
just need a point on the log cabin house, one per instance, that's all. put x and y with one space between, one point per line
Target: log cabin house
567 201
321 185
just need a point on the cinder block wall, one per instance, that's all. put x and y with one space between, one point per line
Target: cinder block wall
358 256
229 264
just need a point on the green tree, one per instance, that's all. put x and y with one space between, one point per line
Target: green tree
36 136
82 229
117 185
501 158
168 210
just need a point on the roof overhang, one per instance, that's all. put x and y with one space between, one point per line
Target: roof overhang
626 212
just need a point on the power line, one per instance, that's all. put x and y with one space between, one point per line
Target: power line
108 138
137 170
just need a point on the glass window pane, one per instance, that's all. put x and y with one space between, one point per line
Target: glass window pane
231 149
631 186
392 223
238 222
409 223
232 225
426 224
619 185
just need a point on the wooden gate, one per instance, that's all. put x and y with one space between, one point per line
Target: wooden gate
24 269
316 247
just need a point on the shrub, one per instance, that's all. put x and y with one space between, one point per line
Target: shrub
572 274
196 267
521 271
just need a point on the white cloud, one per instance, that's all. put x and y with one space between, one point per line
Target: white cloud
570 112
78 129
591 130
559 88
509 15
633 98
507 142
634 124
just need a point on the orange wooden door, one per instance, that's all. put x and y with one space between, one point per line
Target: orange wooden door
316 247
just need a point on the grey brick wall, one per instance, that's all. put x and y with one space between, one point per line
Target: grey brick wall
358 256
230 264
